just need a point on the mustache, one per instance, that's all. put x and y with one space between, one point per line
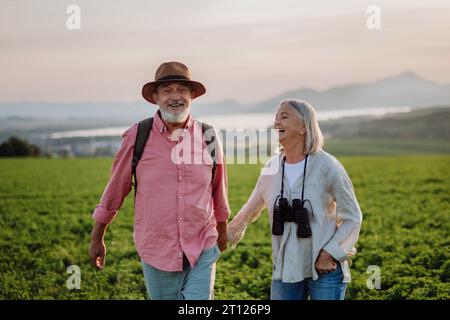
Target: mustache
177 103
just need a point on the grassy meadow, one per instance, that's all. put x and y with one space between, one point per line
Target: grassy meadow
45 224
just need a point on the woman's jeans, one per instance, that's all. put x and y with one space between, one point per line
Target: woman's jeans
328 286
195 283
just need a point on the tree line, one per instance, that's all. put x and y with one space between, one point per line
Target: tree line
16 147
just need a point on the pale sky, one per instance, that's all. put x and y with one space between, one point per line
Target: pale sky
247 50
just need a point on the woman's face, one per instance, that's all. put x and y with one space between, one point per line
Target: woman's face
288 124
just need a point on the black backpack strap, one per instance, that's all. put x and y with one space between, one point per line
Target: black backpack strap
143 132
210 139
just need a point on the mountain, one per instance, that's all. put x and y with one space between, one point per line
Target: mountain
406 89
102 110
223 107
76 110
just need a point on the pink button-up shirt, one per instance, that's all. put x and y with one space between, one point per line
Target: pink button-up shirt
177 205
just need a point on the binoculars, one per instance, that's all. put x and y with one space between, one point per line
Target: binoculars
297 213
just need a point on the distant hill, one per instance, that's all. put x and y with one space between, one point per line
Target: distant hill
106 111
80 110
406 89
223 107
420 124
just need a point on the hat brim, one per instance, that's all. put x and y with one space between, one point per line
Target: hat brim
149 88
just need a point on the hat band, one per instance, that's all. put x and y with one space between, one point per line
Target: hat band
173 78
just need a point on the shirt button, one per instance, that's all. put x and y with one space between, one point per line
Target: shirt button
181 197
180 254
180 218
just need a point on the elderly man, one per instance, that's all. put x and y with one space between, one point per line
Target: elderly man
181 207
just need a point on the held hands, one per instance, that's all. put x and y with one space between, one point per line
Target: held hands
325 263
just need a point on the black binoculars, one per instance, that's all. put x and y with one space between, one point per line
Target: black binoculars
297 213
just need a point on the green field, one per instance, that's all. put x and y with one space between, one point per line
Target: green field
388 147
45 223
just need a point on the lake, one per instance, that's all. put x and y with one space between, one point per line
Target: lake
241 121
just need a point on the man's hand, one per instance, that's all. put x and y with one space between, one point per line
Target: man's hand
325 263
97 251
222 241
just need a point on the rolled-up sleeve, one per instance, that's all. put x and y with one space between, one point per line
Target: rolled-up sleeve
119 184
349 216
220 187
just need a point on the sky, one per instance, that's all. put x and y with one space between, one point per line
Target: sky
246 50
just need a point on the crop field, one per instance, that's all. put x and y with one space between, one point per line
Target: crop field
45 224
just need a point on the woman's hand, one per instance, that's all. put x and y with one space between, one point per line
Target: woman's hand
325 263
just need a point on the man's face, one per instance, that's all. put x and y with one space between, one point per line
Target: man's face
174 101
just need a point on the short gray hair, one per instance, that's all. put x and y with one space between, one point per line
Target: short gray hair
314 137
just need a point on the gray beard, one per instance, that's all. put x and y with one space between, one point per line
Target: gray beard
174 118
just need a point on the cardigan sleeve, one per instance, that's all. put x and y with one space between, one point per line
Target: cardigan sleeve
249 213
349 216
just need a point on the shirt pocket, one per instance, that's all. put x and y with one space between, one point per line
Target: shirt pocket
196 213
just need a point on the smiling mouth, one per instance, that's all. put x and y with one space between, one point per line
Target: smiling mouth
176 105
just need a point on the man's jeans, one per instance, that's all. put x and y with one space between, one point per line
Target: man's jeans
195 283
328 286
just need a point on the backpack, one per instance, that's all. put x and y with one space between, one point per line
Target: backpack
143 132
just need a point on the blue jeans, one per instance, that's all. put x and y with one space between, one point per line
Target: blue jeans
328 286
195 283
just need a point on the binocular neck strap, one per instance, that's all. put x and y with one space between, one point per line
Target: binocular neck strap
282 175
304 175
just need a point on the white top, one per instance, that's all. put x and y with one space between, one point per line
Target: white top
293 171
335 216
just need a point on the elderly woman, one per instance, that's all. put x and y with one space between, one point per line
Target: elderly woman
313 212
